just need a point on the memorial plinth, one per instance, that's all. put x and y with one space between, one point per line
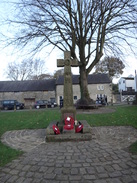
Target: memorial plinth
69 136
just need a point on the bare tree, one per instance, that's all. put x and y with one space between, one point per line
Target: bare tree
25 70
110 65
42 76
58 73
87 28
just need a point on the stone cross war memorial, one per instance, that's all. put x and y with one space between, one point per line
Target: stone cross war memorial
68 129
68 107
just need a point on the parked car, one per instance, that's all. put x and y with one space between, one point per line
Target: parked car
44 103
0 104
11 104
40 104
52 104
100 102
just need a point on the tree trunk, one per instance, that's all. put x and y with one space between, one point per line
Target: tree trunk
83 84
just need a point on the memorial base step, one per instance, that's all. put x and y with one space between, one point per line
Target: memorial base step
69 135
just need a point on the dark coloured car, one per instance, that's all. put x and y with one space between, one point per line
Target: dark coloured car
11 104
52 104
0 104
41 104
100 102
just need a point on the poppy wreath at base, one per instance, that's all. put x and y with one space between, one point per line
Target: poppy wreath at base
69 121
79 128
56 129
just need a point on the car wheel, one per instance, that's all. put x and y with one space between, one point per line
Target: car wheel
5 108
17 107
37 107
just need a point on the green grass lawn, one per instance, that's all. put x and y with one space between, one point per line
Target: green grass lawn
124 115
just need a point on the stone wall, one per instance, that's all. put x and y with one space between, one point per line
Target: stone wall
100 89
94 90
116 98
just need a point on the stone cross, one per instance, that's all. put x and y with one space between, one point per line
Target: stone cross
67 56
67 63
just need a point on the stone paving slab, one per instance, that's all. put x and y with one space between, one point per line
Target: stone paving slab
95 161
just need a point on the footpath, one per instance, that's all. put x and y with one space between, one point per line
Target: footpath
104 159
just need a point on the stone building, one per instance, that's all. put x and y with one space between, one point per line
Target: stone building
99 85
30 91
127 88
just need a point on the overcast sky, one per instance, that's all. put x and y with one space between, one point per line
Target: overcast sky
7 56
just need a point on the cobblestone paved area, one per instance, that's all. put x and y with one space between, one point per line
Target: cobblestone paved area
25 140
101 160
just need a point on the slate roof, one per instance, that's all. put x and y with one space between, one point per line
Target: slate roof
28 85
48 84
92 79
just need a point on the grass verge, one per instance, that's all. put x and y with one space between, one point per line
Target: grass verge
7 154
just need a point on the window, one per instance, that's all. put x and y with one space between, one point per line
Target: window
129 89
98 87
6 102
102 87
75 97
52 100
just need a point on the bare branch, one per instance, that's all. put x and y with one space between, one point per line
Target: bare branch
87 28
